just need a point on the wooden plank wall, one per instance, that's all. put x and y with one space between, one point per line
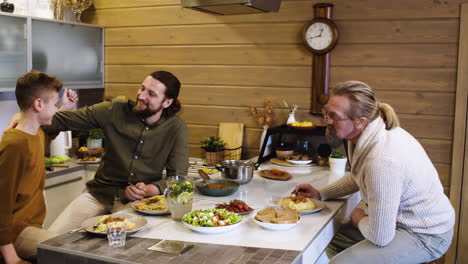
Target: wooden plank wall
406 50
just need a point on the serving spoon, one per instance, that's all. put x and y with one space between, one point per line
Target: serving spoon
204 176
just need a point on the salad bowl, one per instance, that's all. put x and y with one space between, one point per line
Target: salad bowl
202 220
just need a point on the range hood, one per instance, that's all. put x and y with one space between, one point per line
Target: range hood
233 7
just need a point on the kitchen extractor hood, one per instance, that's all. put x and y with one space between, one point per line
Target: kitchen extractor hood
233 7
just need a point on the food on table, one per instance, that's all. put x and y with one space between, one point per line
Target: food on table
302 124
281 216
88 159
235 206
155 203
299 157
215 186
275 174
209 171
56 159
212 218
100 226
299 203
83 149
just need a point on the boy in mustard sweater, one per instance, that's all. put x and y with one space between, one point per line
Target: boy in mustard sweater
22 179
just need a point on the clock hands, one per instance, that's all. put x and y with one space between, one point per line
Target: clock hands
319 35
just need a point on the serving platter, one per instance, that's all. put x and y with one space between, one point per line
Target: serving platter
89 162
140 223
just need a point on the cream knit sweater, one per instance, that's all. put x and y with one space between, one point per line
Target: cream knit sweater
397 181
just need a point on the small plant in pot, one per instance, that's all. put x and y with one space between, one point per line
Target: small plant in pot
213 148
337 163
94 138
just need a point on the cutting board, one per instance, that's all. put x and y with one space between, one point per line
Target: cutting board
283 176
232 134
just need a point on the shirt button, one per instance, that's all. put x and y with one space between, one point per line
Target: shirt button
136 157
146 128
141 141
131 173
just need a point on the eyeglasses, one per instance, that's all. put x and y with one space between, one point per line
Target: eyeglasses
330 120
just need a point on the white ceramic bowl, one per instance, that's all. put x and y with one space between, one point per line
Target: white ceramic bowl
214 229
299 162
276 227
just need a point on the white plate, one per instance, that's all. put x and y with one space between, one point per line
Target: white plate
299 162
89 162
319 205
140 222
276 227
214 229
165 212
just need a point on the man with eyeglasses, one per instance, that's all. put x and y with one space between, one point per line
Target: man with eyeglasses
408 218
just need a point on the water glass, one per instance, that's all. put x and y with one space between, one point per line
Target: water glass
116 234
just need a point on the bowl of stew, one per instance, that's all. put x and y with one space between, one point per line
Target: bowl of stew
217 187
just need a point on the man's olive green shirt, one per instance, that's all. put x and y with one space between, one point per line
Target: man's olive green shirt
134 151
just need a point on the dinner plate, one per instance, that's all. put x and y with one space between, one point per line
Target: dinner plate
214 229
140 222
303 127
89 162
319 205
299 162
276 227
165 212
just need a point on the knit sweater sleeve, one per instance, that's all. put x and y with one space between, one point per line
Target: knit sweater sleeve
11 161
384 185
344 186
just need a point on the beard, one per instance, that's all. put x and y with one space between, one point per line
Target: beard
333 139
147 112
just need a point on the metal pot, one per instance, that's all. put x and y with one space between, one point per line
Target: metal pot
240 170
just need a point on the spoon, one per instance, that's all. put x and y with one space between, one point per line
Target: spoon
204 176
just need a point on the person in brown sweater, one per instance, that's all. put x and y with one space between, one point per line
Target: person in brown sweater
22 181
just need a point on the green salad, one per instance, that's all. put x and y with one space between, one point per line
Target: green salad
212 218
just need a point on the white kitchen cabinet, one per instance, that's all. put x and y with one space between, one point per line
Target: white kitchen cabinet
74 52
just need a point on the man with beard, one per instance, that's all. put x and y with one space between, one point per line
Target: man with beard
142 138
408 218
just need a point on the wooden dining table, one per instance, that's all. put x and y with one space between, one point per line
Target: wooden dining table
249 243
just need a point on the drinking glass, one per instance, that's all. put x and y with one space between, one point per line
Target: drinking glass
78 6
180 196
116 234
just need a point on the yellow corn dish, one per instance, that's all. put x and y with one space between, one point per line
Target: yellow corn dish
299 203
118 221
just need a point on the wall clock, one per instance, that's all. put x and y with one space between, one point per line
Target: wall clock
320 36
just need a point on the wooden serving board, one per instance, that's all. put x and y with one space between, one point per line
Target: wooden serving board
279 177
287 164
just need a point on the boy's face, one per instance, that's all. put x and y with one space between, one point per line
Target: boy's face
49 107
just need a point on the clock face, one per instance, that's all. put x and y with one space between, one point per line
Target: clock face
320 35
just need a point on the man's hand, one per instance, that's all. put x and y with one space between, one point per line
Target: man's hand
307 190
69 99
357 215
140 191
13 122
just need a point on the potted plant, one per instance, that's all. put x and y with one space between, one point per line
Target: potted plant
94 138
214 149
337 163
